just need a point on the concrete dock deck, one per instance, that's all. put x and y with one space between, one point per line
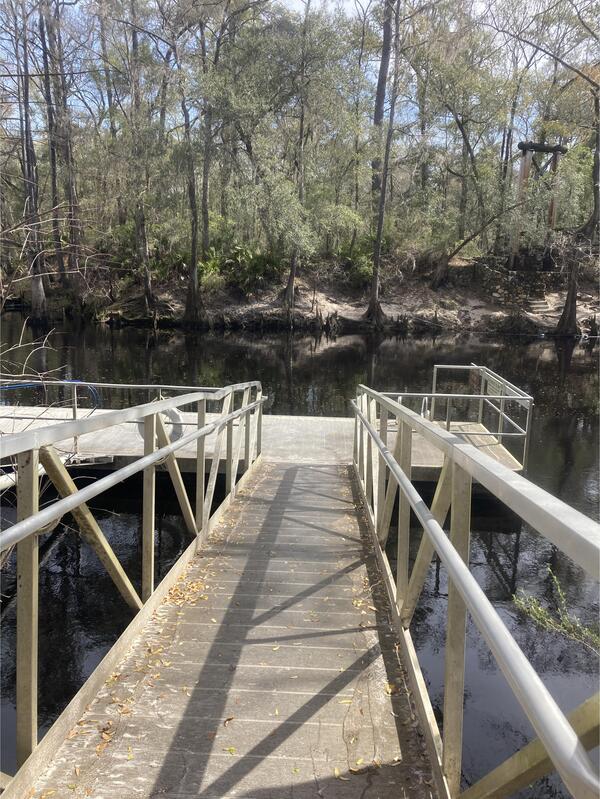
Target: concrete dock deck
269 672
305 438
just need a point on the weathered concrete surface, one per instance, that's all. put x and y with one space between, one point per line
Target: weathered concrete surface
301 439
270 672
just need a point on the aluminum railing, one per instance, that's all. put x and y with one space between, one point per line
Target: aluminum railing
381 475
496 395
34 448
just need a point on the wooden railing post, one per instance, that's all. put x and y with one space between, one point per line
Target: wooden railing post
200 467
369 477
259 425
448 413
361 442
481 392
382 469
27 610
247 418
460 533
405 463
229 459
148 513
74 405
501 414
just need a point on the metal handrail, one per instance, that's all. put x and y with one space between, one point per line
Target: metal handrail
21 530
569 529
34 439
482 397
123 386
553 729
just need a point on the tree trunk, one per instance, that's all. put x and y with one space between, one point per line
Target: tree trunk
65 136
290 289
52 146
374 312
121 213
378 113
193 305
567 324
591 229
30 178
206 182
140 234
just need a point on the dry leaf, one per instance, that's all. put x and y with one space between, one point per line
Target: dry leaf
337 774
226 722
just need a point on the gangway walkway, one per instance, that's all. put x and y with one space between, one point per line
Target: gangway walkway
269 671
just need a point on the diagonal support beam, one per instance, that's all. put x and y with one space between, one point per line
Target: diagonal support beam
176 478
88 526
439 509
531 763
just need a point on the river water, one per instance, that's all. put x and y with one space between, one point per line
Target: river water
81 615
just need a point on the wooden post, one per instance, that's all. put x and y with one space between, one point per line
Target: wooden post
88 526
433 392
247 418
439 510
148 512
200 467
500 415
370 477
176 479
481 392
27 610
229 458
405 463
460 533
382 470
361 442
259 426
74 405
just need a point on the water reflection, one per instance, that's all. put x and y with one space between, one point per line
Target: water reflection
82 614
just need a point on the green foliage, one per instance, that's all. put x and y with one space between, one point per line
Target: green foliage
558 619
240 268
248 270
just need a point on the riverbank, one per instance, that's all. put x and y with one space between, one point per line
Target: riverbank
410 306
413 307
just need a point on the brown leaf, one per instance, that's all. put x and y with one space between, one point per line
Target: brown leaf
228 720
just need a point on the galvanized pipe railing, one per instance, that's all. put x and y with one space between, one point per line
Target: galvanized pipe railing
381 474
34 447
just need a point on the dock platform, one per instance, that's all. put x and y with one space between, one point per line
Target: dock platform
326 439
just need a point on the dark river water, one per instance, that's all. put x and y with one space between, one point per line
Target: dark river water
81 614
